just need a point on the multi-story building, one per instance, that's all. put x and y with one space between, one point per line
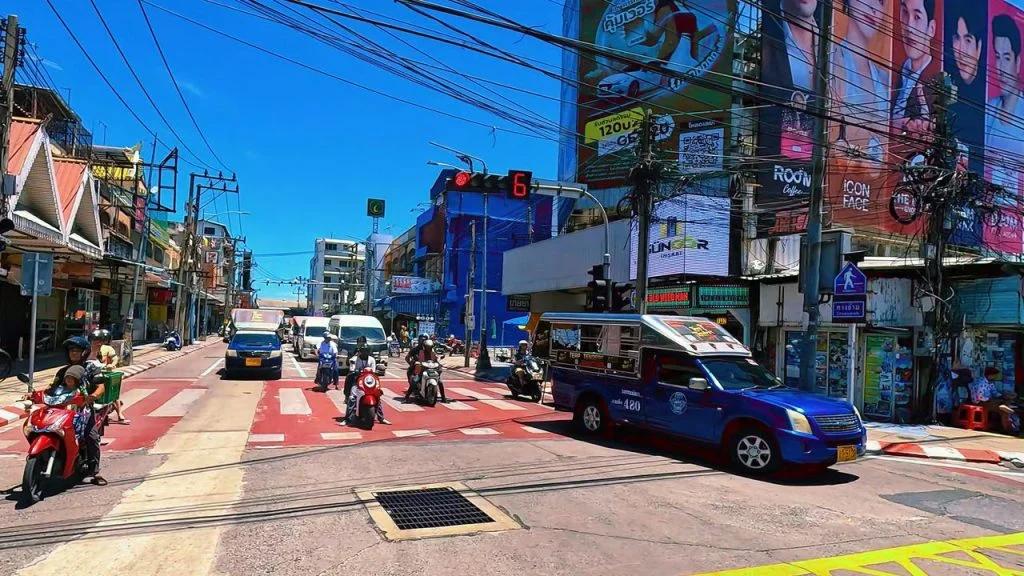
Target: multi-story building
336 276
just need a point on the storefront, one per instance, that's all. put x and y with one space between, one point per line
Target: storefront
159 314
82 311
726 304
993 316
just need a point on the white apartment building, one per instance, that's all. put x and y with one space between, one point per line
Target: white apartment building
335 263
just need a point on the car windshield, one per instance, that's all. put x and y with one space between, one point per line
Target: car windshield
352 333
256 339
317 331
740 373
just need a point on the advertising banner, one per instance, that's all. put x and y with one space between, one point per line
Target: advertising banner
413 285
688 49
689 234
1004 128
861 85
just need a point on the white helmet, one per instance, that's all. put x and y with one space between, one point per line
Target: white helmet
523 343
428 343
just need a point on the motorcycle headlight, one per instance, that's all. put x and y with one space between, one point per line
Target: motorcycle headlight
370 381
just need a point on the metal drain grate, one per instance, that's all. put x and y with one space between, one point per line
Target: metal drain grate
430 508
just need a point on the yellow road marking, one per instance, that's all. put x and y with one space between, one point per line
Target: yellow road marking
904 556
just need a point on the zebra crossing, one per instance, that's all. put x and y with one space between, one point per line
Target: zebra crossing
292 413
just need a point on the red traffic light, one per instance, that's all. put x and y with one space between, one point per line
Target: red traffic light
462 179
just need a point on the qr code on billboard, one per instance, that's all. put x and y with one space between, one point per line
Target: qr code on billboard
701 151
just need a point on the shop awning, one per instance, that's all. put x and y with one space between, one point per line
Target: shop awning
411 304
520 321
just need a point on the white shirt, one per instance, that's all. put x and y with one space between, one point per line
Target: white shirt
799 61
328 347
361 364
1004 141
910 78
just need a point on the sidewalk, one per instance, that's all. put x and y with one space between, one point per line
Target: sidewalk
11 389
943 442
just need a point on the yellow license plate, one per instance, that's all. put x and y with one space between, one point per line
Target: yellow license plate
846 453
252 361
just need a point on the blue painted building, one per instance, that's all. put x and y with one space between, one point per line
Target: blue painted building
445 248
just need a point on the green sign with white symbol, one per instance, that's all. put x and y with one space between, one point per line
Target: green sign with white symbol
375 208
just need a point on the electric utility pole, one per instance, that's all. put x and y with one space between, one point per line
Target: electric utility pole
944 195
812 265
12 41
469 293
645 175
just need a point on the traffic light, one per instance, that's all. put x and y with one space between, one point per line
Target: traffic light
620 297
597 295
517 184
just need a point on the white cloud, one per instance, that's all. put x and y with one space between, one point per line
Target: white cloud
190 87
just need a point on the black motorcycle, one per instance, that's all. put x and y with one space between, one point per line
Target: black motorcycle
526 379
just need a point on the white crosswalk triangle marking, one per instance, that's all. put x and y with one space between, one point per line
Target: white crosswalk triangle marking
389 398
485 399
179 405
293 401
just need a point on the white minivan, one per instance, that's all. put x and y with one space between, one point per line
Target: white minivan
311 334
350 327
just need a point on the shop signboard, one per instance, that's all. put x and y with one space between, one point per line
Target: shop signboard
668 298
689 234
413 285
518 302
36 268
723 296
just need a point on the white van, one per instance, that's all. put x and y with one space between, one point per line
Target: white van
311 334
349 327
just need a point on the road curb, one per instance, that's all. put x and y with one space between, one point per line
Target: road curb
11 414
915 450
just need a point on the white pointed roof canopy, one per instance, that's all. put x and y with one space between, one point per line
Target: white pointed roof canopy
83 231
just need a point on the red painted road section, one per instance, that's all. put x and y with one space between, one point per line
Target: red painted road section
155 408
478 421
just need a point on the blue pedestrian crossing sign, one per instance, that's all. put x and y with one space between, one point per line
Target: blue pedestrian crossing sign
850 281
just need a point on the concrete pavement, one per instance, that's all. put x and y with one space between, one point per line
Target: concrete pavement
200 503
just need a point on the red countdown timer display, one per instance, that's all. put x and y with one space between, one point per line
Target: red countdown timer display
520 183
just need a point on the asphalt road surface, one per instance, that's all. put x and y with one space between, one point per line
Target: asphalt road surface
225 477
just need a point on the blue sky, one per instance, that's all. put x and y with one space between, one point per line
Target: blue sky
308 150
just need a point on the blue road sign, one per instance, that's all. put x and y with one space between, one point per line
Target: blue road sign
850 281
44 283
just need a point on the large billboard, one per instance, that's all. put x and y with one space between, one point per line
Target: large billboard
689 234
885 64
688 48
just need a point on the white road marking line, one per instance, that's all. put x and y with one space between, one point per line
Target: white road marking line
178 406
478 431
498 391
7 443
137 380
389 398
338 398
266 437
6 416
942 452
410 433
533 430
134 396
341 435
873 446
297 367
293 401
485 399
456 405
212 367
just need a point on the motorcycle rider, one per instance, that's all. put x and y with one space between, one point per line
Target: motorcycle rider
363 360
422 353
76 351
329 346
105 358
522 352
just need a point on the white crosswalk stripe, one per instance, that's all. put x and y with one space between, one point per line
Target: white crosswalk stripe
341 435
293 401
409 433
478 431
485 399
178 405
266 437
389 398
456 405
134 396
337 397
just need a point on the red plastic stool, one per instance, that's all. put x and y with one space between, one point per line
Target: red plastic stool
972 417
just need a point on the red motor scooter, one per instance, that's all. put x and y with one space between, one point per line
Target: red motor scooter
368 392
53 449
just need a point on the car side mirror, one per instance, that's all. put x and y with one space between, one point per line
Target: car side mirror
699 384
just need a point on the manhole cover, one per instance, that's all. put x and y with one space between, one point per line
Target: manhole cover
433 510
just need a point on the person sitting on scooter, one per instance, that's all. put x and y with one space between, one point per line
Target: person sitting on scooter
411 358
105 358
363 360
522 352
329 346
76 350
423 353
